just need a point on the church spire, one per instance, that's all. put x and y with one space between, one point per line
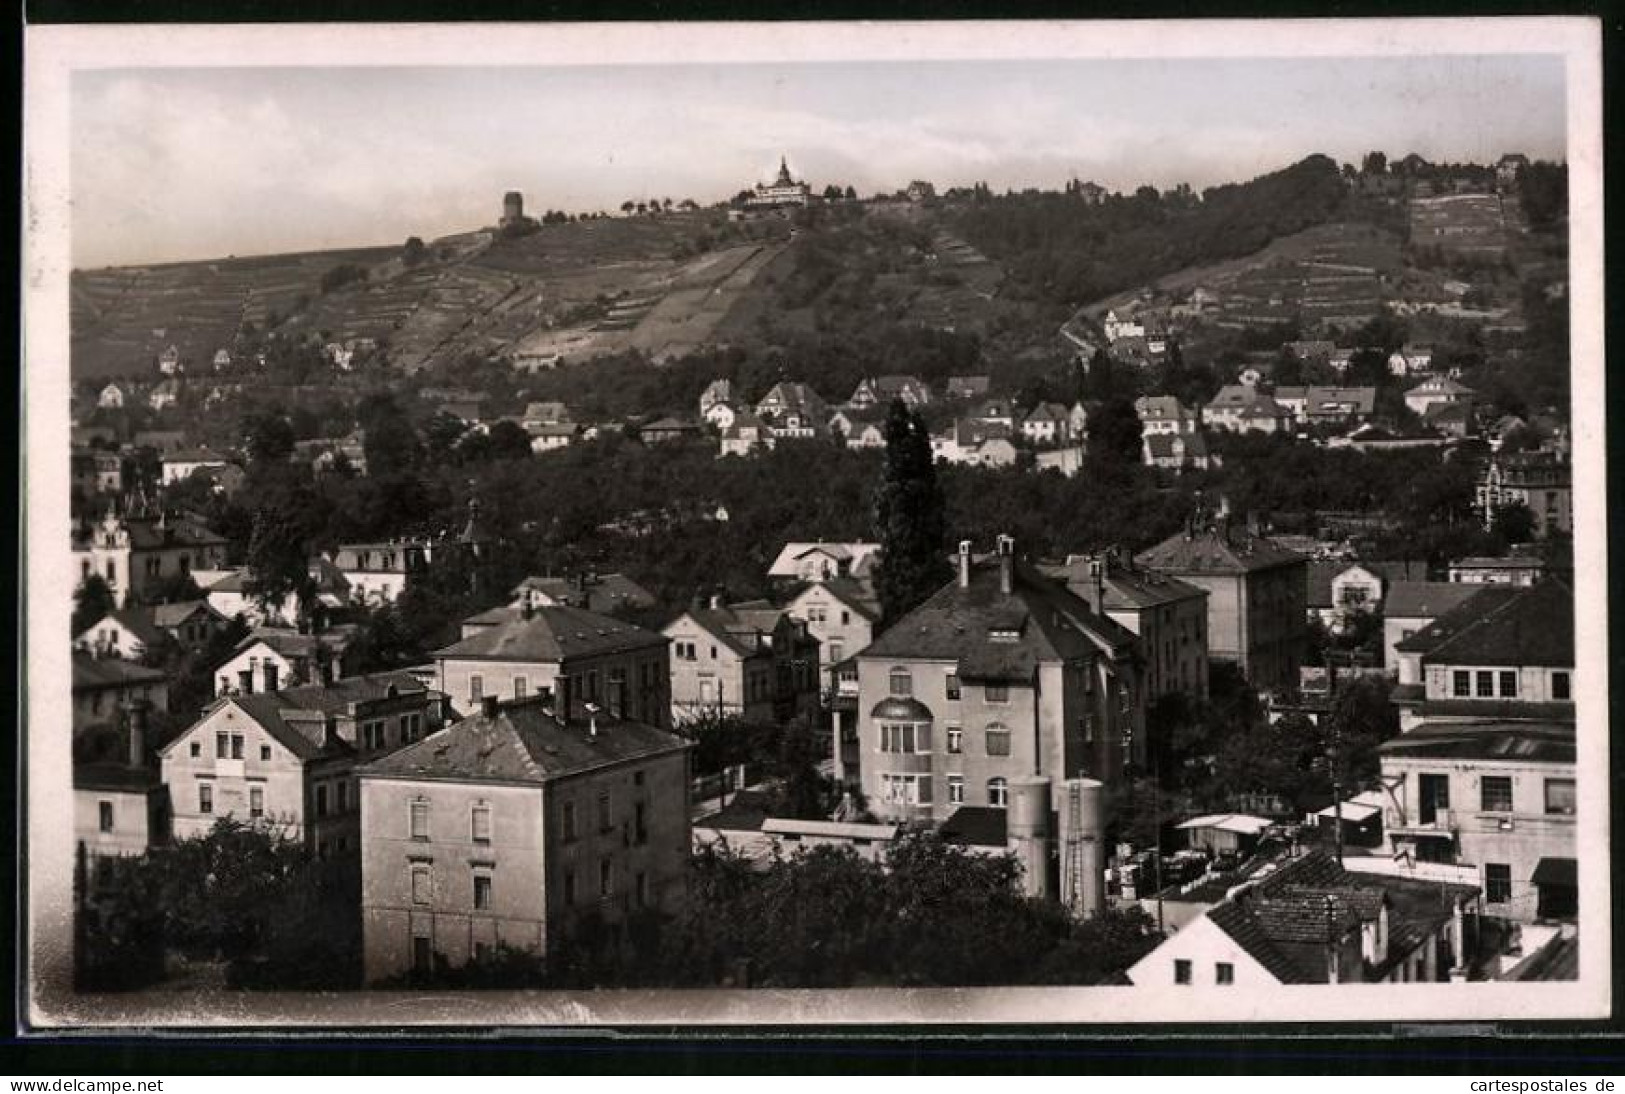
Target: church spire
784 172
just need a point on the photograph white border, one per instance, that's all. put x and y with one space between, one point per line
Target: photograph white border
54 53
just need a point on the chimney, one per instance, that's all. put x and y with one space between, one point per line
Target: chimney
716 602
138 734
561 710
527 609
1007 564
488 705
964 564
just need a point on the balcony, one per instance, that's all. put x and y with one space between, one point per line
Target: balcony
1442 826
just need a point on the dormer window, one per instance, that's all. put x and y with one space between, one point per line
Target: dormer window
902 683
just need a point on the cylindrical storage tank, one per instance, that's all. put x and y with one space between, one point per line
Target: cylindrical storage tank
1027 830
1083 845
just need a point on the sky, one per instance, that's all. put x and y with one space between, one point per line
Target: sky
185 163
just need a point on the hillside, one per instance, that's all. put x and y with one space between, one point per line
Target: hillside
660 285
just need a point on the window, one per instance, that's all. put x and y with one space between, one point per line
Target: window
521 687
996 693
1497 882
907 737
205 798
998 792
1182 971
1461 684
482 892
236 746
956 789
640 824
1224 972
343 795
837 653
1560 685
476 687
321 799
1496 793
256 801
901 682
481 823
195 750
998 740
420 883
420 819
1560 797
411 726
640 889
953 685
956 740
906 789
271 679
569 887
372 735
605 816
606 876
222 746
104 816
637 778
569 820
265 753
245 681
1509 684
422 958
1486 684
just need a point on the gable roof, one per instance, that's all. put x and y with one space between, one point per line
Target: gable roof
522 742
1426 599
594 592
173 615
1214 552
135 620
551 634
856 595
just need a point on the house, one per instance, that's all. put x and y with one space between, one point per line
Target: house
1068 461
996 413
1411 360
789 398
1168 615
603 594
378 573
1047 424
1410 606
287 758
1310 921
721 415
512 827
746 435
182 464
551 436
665 430
119 810
227 594
169 361
1116 327
271 658
784 192
549 412
1494 794
96 472
749 660
582 657
717 391
823 561
144 550
968 387
222 359
1450 419
1436 391
920 191
105 688
1177 451
164 394
1507 651
1164 414
1256 596
975 443
840 614
881 390
864 429
1507 169
111 397
126 632
1542 482
1001 675
1512 570
1243 408
1338 591
1223 833
1077 420
1319 405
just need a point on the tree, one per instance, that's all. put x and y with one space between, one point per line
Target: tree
628 206
92 600
508 441
1375 163
909 517
389 441
268 436
1115 435
278 562
414 252
851 194
1514 523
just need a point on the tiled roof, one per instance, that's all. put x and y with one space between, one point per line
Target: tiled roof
338 696
552 634
173 615
148 536
115 777
1426 599
521 743
1533 625
1127 587
1050 623
291 643
303 736
594 592
1543 742
1212 552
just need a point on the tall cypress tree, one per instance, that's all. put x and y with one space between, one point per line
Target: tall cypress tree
910 520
